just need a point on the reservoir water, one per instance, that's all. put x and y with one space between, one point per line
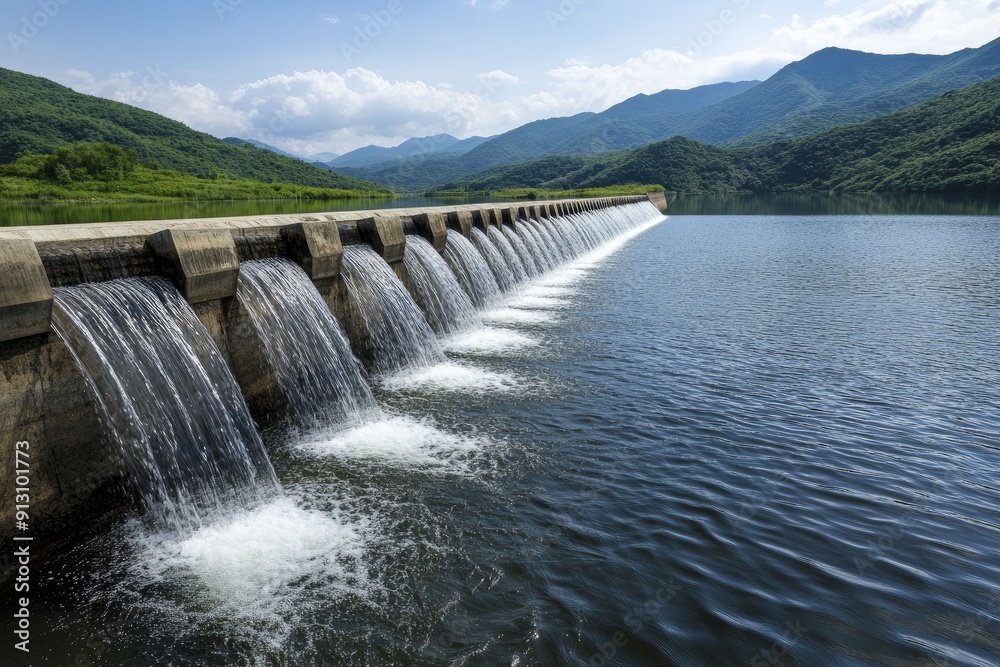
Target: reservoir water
717 440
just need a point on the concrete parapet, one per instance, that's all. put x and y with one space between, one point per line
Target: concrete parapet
495 217
508 216
201 262
659 200
25 293
316 247
461 221
481 219
432 226
384 233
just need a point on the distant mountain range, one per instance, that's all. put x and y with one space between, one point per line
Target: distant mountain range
322 157
40 116
378 157
950 143
259 144
829 88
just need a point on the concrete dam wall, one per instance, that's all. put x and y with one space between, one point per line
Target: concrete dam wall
47 401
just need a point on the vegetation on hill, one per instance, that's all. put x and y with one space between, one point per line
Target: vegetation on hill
105 172
40 116
950 143
541 193
829 88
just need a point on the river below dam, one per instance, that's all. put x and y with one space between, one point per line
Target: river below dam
714 440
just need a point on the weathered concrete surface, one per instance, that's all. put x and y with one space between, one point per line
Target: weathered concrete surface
46 401
316 247
433 227
384 233
659 200
481 219
460 221
201 262
25 293
44 398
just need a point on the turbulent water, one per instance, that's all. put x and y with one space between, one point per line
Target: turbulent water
146 356
737 440
304 344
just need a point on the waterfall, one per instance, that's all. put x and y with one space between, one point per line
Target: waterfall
556 250
527 258
166 397
472 271
446 305
501 243
398 335
305 346
500 269
532 243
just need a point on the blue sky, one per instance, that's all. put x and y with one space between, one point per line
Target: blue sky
314 76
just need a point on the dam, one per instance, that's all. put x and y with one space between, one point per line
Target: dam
140 361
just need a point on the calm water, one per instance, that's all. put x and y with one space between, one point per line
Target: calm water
59 214
735 441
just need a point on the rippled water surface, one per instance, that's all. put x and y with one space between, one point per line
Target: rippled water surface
735 441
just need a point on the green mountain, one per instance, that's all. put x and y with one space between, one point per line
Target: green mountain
236 141
378 157
634 122
834 87
40 116
950 143
831 87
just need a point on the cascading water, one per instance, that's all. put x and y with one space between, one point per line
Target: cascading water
498 266
557 252
510 256
531 267
532 242
446 305
472 271
307 350
166 397
398 334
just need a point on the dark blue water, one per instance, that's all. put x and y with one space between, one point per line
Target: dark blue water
736 441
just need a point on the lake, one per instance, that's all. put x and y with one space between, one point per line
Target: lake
734 440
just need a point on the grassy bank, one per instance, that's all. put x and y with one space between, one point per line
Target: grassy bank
542 193
98 173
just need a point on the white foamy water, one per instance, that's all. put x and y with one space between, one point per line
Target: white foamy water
400 441
489 341
253 562
518 316
562 278
541 289
530 302
450 376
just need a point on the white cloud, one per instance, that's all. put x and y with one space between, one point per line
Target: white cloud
334 20
313 111
497 77
899 26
